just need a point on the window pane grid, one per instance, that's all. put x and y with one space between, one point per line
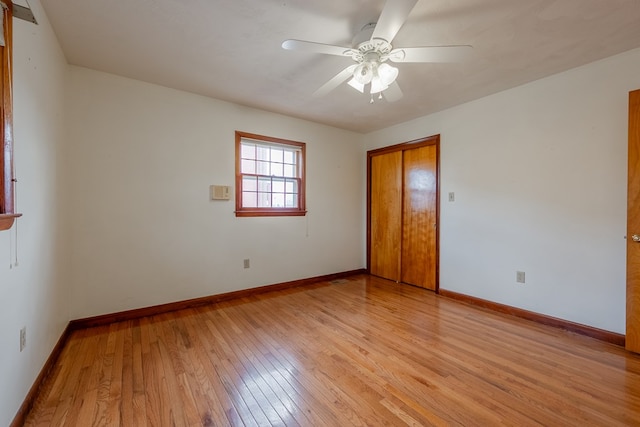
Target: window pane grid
259 191
262 160
270 176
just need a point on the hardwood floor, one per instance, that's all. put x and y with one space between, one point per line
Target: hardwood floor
363 351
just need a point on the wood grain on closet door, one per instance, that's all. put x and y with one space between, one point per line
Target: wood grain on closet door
386 215
419 219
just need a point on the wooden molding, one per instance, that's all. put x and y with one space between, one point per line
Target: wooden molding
30 399
7 179
599 334
416 143
107 319
269 212
301 178
6 220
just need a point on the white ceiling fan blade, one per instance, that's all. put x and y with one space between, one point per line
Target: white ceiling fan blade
313 47
392 18
431 54
393 92
336 81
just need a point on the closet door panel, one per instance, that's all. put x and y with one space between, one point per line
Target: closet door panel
386 215
419 217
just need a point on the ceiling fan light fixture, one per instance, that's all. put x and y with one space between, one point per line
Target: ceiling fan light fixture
363 73
354 83
372 48
377 85
387 74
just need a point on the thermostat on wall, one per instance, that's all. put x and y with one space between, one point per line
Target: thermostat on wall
220 192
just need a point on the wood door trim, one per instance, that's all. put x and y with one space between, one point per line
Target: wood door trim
416 143
633 226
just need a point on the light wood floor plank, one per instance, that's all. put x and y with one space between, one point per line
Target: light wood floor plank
218 405
270 387
298 400
364 351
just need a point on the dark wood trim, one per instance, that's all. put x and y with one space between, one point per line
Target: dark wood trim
5 113
368 248
30 399
301 210
437 143
269 212
599 334
6 220
7 179
416 143
107 319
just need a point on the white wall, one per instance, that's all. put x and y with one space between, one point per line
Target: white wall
144 229
34 293
117 214
539 175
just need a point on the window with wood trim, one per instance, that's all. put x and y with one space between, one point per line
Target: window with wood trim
270 176
7 209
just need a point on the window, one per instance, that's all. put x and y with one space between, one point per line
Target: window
7 212
269 176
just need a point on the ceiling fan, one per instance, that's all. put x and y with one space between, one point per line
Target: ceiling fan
372 49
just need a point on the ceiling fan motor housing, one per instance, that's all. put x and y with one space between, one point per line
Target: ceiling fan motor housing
367 49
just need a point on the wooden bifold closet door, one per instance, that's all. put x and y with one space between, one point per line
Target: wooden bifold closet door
386 215
403 210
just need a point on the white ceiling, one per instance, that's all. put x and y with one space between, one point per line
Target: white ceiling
230 49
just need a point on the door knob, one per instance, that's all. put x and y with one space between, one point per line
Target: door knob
635 238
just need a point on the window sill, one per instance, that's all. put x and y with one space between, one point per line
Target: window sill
269 212
6 220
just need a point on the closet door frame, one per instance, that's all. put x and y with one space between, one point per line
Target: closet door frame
417 143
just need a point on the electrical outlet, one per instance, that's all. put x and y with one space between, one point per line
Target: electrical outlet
246 263
520 276
23 338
